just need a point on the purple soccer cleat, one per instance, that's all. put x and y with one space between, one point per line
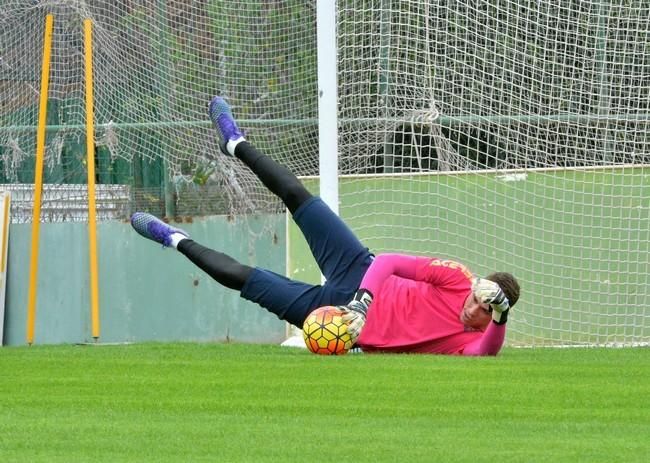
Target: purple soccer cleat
154 229
223 121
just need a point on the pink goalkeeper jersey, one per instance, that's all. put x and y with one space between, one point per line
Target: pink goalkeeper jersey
416 308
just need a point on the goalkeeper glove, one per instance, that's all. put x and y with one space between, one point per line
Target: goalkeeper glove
354 314
489 292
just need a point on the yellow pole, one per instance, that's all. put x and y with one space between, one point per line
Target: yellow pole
90 159
38 177
5 233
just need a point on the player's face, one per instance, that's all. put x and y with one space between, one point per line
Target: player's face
475 314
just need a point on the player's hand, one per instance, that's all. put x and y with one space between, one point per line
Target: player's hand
491 293
355 321
354 314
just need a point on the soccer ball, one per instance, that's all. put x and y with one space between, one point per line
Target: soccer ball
326 333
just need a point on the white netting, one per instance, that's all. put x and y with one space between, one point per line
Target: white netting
542 112
157 64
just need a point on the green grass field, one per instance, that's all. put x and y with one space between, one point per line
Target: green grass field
228 403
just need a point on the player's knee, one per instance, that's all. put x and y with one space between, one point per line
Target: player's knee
295 195
234 275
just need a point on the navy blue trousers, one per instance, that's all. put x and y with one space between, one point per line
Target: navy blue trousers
341 257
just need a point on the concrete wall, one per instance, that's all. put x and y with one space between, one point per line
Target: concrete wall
146 292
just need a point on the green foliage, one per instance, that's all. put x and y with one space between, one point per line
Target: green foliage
239 403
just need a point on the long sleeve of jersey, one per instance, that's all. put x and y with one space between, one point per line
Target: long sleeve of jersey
488 344
385 265
410 267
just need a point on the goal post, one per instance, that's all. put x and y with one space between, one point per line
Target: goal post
328 155
327 103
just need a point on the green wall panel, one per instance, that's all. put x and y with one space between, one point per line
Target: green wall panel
146 292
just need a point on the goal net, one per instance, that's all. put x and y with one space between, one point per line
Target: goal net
157 64
512 136
509 135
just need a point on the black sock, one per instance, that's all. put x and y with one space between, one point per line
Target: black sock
223 268
277 178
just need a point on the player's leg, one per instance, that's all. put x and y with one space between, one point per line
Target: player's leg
289 300
339 254
223 268
276 177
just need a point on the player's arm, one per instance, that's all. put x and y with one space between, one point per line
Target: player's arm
490 343
386 265
382 267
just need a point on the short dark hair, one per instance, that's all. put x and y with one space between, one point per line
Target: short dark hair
508 284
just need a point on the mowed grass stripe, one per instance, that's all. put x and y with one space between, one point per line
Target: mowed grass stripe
216 402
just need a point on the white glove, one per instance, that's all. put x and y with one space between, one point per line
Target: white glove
491 293
354 314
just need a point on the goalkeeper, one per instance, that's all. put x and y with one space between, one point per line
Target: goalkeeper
392 303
